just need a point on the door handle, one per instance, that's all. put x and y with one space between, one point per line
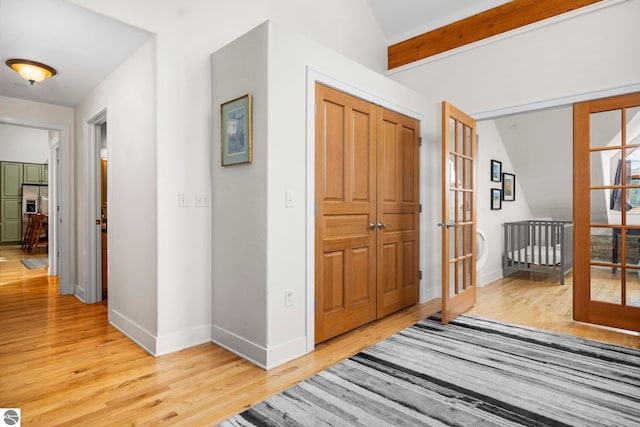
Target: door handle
381 225
448 224
372 226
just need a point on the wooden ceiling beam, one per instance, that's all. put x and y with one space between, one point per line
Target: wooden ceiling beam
498 20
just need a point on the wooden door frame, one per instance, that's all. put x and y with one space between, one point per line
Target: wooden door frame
313 77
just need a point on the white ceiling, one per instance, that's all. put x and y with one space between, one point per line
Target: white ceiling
403 19
85 47
82 46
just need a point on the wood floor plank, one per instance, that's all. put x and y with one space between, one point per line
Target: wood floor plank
63 364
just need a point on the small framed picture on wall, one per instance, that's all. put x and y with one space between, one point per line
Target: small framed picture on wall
235 124
496 199
508 187
496 171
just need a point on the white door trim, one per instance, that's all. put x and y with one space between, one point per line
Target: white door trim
93 270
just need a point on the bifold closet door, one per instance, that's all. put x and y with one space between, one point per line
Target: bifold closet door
366 240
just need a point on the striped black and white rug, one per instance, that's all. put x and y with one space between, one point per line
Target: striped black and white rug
470 372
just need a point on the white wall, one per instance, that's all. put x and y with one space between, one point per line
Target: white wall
239 200
186 34
23 144
585 53
261 247
128 95
568 57
491 147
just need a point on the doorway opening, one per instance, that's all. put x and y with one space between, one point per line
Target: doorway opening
97 211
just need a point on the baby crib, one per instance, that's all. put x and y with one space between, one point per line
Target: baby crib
539 246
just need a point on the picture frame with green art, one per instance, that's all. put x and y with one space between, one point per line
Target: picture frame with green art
235 126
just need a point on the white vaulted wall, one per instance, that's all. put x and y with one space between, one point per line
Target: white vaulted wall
534 67
186 33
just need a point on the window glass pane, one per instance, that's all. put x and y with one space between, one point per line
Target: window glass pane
604 167
452 135
633 246
601 203
633 287
605 244
633 125
452 243
467 141
452 280
459 137
467 272
468 182
605 286
468 205
605 129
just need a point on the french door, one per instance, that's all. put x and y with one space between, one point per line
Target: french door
606 278
367 212
458 212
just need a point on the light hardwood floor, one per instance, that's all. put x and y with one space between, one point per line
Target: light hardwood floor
63 364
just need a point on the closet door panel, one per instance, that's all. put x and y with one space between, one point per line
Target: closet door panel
398 211
345 243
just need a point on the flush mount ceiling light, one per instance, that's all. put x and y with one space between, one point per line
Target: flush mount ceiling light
33 71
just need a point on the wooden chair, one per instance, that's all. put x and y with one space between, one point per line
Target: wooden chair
27 233
39 234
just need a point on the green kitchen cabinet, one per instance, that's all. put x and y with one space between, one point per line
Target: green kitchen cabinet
11 220
32 173
11 180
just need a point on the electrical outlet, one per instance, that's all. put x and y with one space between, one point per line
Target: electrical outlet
288 298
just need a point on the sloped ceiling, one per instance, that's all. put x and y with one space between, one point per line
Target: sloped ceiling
403 19
82 46
540 147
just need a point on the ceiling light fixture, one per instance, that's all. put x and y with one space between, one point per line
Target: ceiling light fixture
33 71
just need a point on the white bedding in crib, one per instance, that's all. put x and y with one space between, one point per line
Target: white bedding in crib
537 255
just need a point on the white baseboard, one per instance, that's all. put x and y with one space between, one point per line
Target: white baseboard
80 293
134 331
252 352
265 358
177 341
487 277
283 353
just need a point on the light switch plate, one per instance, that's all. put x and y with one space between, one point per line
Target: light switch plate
202 200
182 200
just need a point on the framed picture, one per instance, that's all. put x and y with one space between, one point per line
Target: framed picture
508 187
496 171
235 124
496 199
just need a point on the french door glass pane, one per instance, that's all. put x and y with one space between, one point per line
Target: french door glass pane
605 286
453 284
633 246
452 135
600 208
605 129
633 288
603 245
467 141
